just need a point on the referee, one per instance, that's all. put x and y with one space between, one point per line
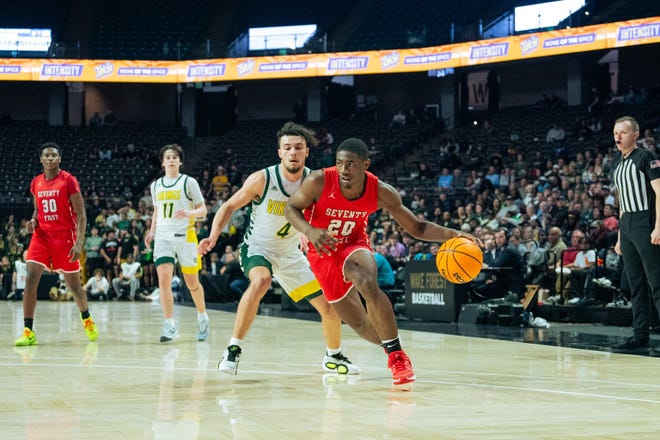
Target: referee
637 178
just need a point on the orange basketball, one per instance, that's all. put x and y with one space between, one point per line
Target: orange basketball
459 260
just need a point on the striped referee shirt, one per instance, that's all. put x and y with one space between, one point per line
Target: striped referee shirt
633 176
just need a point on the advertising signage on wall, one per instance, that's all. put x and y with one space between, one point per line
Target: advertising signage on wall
429 296
25 40
495 50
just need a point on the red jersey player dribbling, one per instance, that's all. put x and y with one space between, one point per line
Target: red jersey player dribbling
340 200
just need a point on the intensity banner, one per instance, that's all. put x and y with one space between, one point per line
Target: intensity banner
541 44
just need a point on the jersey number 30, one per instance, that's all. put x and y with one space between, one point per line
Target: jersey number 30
49 205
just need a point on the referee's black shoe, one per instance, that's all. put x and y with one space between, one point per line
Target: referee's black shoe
632 345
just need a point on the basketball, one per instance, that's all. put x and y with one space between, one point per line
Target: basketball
459 260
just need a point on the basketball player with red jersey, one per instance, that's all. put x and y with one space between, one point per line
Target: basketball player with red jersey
58 230
337 202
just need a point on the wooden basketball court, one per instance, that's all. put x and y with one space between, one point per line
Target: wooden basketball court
129 385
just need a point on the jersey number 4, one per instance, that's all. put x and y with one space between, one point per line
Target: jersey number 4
284 231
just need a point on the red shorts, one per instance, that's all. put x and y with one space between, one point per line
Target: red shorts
329 271
51 250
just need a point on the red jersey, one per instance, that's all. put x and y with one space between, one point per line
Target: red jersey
345 219
54 209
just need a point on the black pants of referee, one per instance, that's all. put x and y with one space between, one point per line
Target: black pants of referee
641 262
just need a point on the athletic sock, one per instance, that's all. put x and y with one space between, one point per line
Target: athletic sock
234 341
202 316
85 314
391 345
332 351
28 322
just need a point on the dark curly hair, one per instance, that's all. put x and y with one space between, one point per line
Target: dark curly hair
292 129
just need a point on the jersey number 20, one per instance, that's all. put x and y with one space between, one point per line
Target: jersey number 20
342 228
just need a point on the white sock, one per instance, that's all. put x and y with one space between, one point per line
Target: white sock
170 321
235 341
202 316
332 351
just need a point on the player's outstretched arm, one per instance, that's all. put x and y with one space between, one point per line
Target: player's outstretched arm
389 199
252 189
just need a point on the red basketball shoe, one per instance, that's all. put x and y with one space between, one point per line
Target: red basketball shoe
402 370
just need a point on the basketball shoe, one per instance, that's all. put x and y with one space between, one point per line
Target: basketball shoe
28 338
90 328
338 363
229 362
202 329
170 333
402 370
632 345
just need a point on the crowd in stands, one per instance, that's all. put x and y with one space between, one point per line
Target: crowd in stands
544 209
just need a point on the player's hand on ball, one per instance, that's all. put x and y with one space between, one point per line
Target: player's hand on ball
470 237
